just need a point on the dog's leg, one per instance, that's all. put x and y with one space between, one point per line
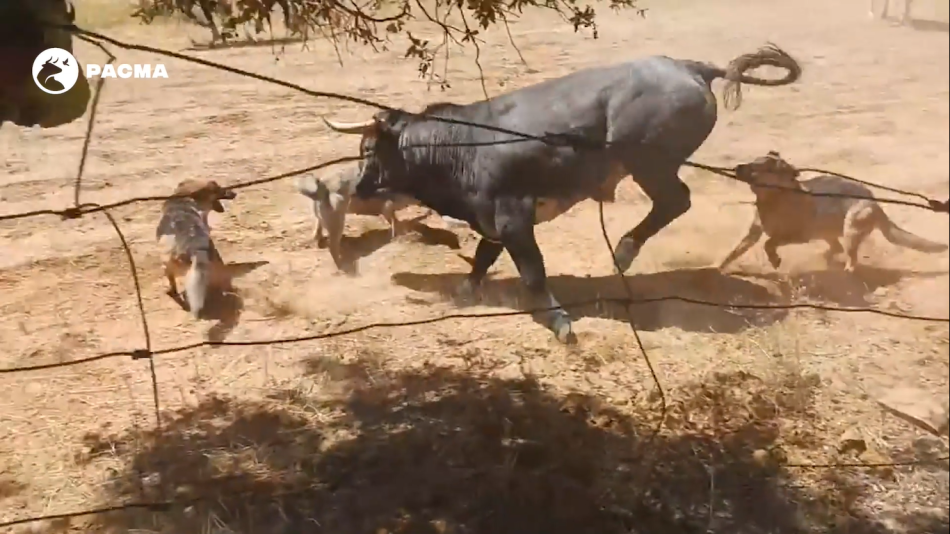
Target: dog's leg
905 15
390 215
752 237
858 224
834 249
771 245
333 214
318 234
172 285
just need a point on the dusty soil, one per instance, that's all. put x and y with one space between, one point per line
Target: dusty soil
488 425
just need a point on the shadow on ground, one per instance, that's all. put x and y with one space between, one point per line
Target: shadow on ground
226 307
355 248
929 25
242 43
697 284
435 451
835 286
704 284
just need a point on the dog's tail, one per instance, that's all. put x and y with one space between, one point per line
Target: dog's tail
196 282
903 238
313 188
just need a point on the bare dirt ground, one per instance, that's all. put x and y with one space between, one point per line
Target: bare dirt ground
483 426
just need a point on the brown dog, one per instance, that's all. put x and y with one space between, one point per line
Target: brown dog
788 217
185 243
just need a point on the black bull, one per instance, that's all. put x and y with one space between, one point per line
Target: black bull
642 118
27 27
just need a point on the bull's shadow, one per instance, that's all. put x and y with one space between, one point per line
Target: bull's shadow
700 284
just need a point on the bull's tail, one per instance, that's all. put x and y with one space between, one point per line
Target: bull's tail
903 238
735 72
196 282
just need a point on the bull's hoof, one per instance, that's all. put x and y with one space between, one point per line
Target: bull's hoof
564 331
627 251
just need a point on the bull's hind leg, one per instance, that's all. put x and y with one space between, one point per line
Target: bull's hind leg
670 197
486 254
514 220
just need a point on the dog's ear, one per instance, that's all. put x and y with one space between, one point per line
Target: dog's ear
189 188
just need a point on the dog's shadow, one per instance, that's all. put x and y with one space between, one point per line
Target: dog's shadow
663 299
224 306
923 25
355 248
836 286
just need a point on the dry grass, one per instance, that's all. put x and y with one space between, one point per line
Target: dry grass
487 426
103 14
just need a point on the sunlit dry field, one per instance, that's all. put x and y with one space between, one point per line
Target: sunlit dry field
484 426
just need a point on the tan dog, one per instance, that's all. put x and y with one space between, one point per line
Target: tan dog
333 197
787 217
185 243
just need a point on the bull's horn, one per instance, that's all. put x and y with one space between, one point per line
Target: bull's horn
349 127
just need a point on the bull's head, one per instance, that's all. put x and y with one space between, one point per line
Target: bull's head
27 27
383 166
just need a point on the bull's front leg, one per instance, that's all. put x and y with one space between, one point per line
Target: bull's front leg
514 220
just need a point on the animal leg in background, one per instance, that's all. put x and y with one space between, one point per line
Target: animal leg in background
752 237
196 282
514 220
318 234
834 249
858 225
389 213
332 217
207 9
172 284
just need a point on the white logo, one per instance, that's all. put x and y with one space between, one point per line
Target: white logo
55 71
126 71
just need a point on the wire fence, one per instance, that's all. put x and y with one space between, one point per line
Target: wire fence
148 352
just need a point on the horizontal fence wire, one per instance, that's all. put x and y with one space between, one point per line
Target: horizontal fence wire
78 210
